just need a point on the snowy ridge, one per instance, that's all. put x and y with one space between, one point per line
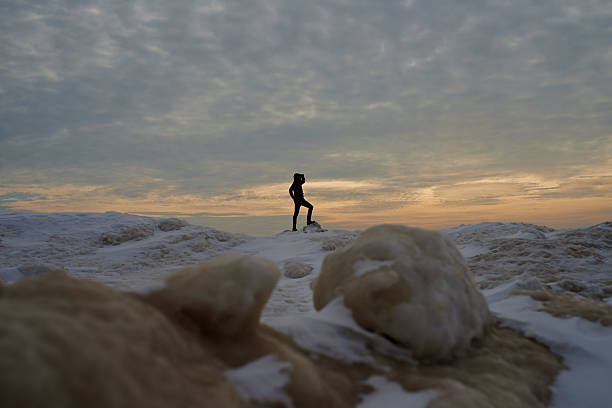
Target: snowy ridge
121 250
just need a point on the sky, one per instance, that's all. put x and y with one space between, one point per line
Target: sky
425 113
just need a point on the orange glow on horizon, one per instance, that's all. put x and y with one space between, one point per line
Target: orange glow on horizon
504 199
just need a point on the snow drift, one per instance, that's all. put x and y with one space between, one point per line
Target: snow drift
409 284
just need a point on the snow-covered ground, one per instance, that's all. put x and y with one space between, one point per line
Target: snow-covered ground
133 253
124 251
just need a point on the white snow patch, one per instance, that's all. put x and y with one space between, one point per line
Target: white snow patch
333 332
585 346
391 395
262 380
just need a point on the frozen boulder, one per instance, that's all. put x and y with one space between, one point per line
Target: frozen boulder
294 269
408 284
223 296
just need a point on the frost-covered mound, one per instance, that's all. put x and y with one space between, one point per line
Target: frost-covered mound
197 340
409 284
121 250
576 261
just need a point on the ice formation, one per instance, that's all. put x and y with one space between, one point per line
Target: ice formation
409 284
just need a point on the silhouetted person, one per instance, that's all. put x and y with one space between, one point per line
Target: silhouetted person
296 192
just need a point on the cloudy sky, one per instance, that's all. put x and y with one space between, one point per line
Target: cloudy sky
430 113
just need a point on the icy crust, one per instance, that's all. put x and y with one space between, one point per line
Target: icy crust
408 284
576 262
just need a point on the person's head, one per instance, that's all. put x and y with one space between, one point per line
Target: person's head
299 178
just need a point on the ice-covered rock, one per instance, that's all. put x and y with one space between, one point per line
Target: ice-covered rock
314 227
223 296
409 284
294 269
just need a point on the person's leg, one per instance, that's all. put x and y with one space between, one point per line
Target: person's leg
310 207
296 212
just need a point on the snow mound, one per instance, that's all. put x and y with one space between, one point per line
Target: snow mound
314 227
223 296
295 270
408 284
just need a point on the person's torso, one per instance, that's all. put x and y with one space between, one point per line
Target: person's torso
297 190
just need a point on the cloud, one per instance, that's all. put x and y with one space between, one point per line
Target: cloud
212 99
